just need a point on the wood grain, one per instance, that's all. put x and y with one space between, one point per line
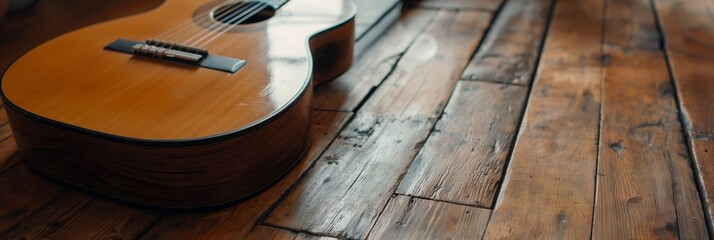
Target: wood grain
8 147
271 233
688 31
412 218
163 101
353 180
371 67
463 159
369 13
170 177
238 220
509 53
304 236
483 5
169 135
77 215
3 116
644 178
645 186
550 182
425 77
22 193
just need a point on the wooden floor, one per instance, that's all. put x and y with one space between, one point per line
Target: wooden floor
467 119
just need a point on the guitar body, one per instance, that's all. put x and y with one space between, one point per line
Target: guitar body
169 134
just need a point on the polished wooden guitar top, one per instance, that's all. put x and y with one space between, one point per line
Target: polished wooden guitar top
73 80
121 120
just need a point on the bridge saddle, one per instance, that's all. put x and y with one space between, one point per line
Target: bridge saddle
162 49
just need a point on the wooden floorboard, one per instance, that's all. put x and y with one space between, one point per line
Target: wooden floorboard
371 67
483 5
8 147
608 133
550 182
464 157
510 51
369 13
344 193
272 233
22 193
78 215
412 218
646 187
688 28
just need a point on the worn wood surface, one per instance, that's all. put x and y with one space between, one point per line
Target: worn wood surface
371 67
611 146
271 233
688 31
349 186
413 218
8 147
482 5
77 215
22 193
550 183
645 184
463 160
509 53
369 13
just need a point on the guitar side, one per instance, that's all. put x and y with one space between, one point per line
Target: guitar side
185 169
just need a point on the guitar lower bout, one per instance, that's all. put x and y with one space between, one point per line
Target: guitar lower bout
176 135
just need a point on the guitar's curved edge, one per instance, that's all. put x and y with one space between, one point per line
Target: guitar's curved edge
191 177
346 23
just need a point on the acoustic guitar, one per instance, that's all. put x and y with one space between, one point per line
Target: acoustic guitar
195 103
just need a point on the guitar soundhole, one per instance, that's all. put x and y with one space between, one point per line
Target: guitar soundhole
244 12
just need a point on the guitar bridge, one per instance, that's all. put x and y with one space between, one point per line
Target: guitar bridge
177 53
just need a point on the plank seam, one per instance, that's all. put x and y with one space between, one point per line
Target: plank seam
603 38
398 58
443 201
261 219
266 224
494 82
269 210
685 125
527 99
433 126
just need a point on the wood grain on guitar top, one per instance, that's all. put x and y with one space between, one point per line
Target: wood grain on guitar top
174 135
72 80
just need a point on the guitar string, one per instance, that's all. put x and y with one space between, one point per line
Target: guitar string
235 11
214 23
235 21
227 27
203 18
